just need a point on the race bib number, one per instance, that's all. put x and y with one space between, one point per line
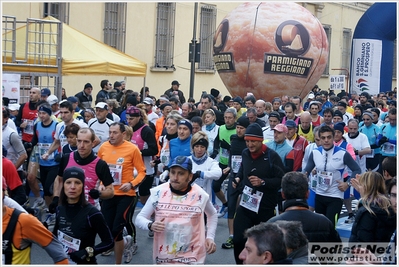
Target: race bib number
250 200
116 173
29 127
43 148
388 148
235 163
165 157
324 179
69 243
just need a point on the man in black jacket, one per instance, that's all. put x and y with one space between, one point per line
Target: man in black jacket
174 90
85 98
295 191
259 179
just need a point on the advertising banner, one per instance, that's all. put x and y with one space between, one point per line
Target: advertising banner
11 87
366 65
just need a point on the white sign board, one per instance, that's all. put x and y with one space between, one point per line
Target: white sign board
366 65
337 82
11 87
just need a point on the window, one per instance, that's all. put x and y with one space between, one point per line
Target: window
115 25
327 29
165 33
207 30
346 50
59 11
395 62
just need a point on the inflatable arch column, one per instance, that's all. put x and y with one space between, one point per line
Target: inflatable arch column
372 50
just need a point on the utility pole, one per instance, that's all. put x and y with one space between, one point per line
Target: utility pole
193 44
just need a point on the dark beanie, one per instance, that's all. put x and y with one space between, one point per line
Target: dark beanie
340 126
203 142
215 92
243 121
74 172
238 100
342 104
254 132
187 123
164 105
338 113
131 100
227 98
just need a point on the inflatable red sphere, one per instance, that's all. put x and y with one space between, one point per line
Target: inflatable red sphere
270 49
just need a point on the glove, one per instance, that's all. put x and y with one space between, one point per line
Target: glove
53 205
225 145
94 193
79 255
196 175
383 140
27 145
164 176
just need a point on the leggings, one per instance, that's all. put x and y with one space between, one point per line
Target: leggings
217 184
232 197
243 220
116 212
47 177
328 206
131 229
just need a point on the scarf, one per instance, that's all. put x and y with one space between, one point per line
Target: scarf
200 160
260 153
210 126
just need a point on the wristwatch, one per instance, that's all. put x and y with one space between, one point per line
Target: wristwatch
263 182
149 225
90 252
349 182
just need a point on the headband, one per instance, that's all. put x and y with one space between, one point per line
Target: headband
42 108
203 142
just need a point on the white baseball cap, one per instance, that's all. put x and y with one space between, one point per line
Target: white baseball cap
52 99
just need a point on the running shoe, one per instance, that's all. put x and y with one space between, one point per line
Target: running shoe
38 204
127 251
107 253
228 244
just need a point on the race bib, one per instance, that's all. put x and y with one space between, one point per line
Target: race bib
251 200
69 243
165 156
29 127
388 148
324 179
235 163
43 148
116 173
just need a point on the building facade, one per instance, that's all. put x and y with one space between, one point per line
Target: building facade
160 34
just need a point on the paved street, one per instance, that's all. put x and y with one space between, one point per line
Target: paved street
144 253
